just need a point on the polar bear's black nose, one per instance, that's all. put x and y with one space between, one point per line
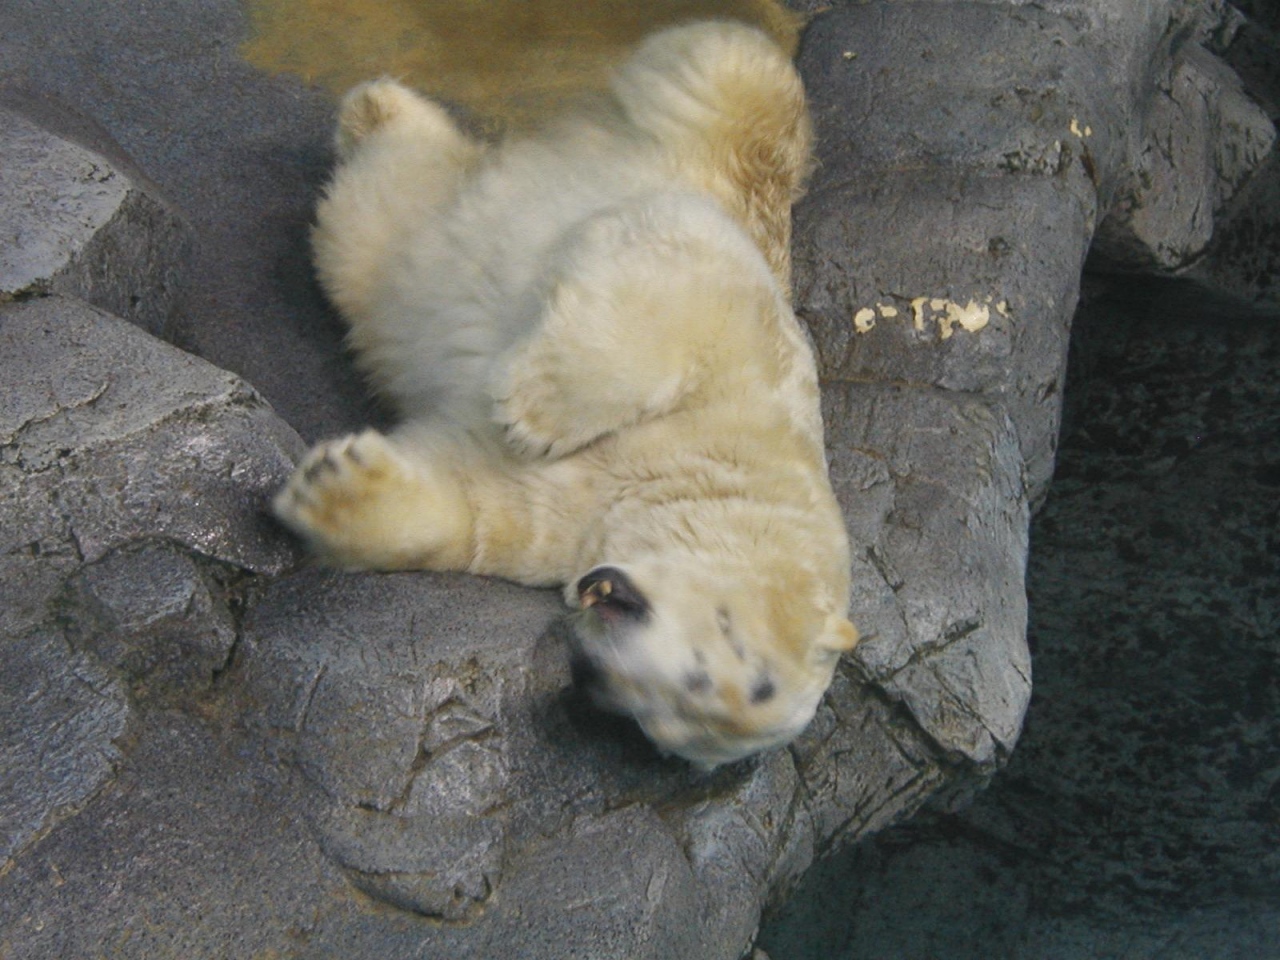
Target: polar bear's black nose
612 594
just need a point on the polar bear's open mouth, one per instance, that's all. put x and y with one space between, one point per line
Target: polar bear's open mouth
612 595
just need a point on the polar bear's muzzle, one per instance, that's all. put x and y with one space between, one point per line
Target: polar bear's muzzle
607 661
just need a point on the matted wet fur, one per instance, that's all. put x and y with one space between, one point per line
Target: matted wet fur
587 337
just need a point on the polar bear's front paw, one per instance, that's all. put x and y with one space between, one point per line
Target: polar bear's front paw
553 398
543 408
342 499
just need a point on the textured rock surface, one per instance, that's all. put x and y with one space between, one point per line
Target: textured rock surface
63 713
126 465
1243 258
78 223
109 436
970 152
241 154
323 764
931 483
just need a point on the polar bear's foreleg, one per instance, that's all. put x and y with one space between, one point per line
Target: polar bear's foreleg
415 501
359 502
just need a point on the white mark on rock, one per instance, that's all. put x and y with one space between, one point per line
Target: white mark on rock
1081 132
971 317
949 315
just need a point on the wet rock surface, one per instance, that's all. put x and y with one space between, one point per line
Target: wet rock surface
211 750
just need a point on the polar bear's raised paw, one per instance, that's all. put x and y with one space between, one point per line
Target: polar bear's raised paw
337 483
359 502
542 411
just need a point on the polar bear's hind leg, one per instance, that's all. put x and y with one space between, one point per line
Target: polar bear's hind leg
729 104
401 157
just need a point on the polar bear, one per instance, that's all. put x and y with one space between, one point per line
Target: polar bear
587 337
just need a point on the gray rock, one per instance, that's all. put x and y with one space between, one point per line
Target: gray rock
450 773
942 239
118 437
931 482
969 153
189 853
240 152
1201 140
78 223
1243 257
149 611
122 459
447 767
62 715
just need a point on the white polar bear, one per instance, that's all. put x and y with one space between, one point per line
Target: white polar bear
586 334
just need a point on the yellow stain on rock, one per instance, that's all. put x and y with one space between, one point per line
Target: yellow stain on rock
864 320
971 317
506 60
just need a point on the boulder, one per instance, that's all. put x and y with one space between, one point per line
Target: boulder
133 482
1243 256
78 218
1200 141
109 436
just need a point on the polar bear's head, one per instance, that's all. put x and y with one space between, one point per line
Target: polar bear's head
713 667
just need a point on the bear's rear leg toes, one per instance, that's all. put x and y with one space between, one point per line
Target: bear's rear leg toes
385 104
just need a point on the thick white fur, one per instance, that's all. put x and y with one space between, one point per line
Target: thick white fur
587 337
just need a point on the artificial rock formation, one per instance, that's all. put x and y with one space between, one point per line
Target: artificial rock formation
211 750
83 222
